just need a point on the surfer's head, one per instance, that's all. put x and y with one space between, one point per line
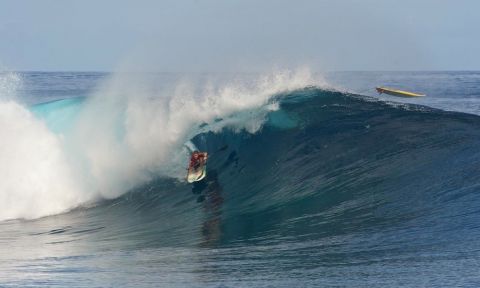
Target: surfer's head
195 154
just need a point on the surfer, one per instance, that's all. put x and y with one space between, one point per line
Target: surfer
197 159
197 169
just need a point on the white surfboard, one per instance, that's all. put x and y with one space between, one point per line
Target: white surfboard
198 174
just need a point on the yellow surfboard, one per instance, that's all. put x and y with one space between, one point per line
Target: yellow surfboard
399 93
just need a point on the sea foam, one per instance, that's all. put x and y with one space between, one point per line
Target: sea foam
128 132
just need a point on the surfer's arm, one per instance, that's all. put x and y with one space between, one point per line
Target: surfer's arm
202 158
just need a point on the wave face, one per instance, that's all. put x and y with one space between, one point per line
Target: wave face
328 163
330 188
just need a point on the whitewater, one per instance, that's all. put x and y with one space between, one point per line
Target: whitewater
60 155
312 178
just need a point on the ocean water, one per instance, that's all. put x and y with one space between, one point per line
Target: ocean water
313 180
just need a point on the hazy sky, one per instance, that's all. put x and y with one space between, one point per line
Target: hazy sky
243 35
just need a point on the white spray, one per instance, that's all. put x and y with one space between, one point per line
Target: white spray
127 133
36 178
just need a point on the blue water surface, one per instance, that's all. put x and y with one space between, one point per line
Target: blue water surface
338 189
